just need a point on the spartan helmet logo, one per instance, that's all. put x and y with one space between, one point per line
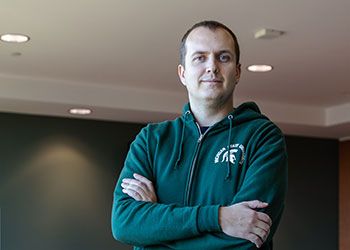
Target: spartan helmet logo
229 157
236 153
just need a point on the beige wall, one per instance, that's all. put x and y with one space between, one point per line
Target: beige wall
344 195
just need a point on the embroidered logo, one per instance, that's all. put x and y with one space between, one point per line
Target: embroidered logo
236 152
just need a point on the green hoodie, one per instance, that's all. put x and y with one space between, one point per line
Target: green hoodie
194 174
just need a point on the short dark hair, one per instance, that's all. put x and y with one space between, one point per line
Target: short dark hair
212 25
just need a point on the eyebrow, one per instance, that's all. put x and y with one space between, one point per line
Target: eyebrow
205 52
198 53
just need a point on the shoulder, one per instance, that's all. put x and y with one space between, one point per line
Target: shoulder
264 125
268 135
249 115
162 127
262 132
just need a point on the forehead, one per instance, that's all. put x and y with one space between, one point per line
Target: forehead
207 40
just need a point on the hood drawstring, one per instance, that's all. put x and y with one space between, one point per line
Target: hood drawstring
228 175
181 140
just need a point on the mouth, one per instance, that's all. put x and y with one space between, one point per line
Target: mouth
212 81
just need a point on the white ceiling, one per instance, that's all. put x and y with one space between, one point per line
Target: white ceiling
120 58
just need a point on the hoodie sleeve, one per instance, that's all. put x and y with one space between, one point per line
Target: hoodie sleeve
144 223
267 174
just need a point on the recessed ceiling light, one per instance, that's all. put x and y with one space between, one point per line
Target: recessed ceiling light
14 38
80 111
16 54
259 68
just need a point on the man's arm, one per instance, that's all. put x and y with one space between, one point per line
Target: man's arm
239 220
267 176
144 223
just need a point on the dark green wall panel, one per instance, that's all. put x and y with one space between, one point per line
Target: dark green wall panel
310 220
57 179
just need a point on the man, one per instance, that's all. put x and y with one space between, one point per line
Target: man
214 178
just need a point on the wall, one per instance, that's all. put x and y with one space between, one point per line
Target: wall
57 177
344 195
56 181
310 220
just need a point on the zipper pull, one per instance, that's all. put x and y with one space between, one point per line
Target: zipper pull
200 138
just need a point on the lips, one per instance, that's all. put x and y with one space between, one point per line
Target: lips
212 80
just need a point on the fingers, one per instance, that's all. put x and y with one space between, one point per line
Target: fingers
243 221
261 233
142 179
132 194
135 183
265 218
260 216
263 226
134 188
255 204
255 240
139 188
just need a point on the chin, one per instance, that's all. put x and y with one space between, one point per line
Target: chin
214 94
218 98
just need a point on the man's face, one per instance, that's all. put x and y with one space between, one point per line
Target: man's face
210 73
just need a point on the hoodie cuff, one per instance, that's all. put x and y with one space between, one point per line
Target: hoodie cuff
208 219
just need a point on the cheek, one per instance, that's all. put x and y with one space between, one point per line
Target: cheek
193 73
229 71
231 75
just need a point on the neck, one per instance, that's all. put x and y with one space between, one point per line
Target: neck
208 115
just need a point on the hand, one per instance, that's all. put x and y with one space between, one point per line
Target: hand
242 221
140 188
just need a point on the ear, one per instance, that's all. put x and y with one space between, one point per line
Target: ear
181 74
238 73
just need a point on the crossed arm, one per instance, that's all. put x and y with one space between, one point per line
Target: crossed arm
240 220
135 206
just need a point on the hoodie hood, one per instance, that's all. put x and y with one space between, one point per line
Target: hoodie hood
245 112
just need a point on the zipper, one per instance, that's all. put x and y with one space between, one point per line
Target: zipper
193 165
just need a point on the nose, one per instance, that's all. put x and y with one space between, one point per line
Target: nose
212 66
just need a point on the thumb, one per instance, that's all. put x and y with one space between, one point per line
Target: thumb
256 204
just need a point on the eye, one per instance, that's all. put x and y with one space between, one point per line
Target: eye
199 58
224 57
